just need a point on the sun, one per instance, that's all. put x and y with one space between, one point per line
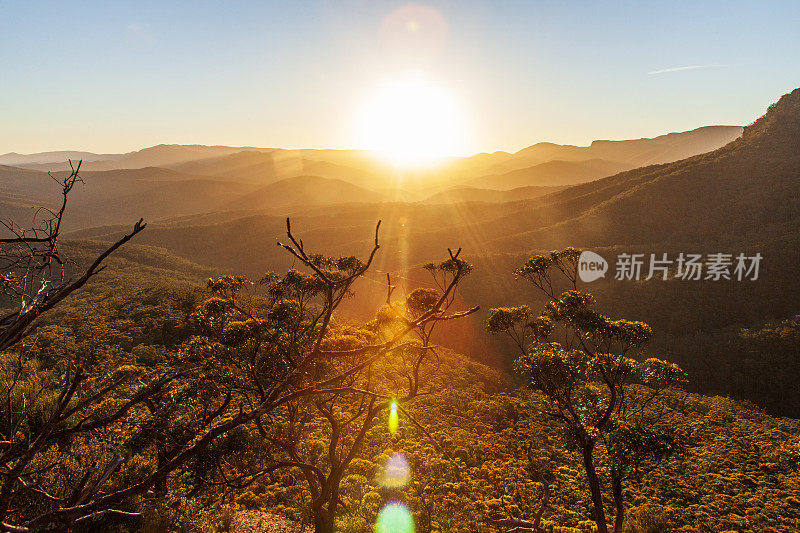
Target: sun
411 123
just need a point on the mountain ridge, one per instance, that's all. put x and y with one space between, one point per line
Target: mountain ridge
366 169
305 190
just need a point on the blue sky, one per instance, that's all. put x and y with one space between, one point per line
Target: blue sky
115 76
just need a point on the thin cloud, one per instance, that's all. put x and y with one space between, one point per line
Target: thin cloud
678 69
140 37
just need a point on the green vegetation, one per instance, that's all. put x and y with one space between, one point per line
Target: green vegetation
479 447
134 397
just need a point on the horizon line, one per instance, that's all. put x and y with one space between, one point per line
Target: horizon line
363 150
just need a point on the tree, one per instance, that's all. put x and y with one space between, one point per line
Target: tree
596 383
87 435
367 369
32 266
38 412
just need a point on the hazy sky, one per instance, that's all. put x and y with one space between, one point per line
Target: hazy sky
115 76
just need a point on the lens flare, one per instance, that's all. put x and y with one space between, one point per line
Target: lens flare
396 472
394 420
395 518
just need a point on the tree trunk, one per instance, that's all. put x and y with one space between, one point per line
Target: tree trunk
323 522
619 518
326 507
594 486
160 487
542 505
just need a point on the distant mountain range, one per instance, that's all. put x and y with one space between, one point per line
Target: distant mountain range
174 180
59 157
635 152
741 188
155 156
258 163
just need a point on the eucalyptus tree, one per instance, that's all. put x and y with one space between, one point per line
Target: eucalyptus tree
287 340
597 383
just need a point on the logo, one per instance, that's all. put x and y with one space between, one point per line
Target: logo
591 266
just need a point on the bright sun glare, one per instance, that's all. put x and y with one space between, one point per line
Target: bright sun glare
411 123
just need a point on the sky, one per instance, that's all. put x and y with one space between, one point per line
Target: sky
117 76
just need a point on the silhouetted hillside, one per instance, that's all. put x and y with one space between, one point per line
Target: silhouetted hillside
740 188
267 167
634 153
552 173
118 195
475 194
305 190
